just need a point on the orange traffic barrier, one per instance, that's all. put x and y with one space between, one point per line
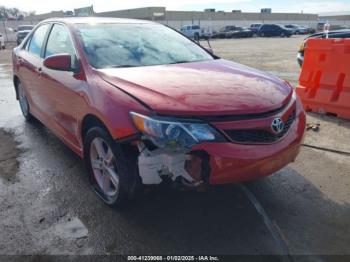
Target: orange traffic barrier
324 82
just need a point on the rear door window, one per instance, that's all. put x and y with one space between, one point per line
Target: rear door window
37 40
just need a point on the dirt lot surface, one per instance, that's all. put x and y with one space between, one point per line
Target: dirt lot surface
47 206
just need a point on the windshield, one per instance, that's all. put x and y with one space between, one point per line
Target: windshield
131 45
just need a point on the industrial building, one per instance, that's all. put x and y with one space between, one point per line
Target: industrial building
210 19
207 18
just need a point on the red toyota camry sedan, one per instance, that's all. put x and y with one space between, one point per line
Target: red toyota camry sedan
143 105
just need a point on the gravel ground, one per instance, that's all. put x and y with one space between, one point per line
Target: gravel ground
48 207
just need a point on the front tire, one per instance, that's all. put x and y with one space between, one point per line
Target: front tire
24 104
113 173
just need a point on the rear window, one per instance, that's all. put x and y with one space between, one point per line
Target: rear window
195 27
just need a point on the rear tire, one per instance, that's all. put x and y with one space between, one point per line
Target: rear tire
24 104
112 170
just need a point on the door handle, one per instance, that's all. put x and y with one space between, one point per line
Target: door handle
39 70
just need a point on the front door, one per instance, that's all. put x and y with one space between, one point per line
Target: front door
63 87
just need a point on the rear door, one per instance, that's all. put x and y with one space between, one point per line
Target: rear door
29 64
62 87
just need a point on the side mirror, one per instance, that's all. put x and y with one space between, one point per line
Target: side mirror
61 62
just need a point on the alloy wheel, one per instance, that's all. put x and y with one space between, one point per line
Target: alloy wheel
103 163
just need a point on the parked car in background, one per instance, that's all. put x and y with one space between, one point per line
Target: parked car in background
2 41
195 32
239 32
274 30
255 28
155 107
343 33
298 30
310 30
333 27
222 32
22 32
24 28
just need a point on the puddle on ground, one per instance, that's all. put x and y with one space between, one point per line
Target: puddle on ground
72 229
9 153
68 237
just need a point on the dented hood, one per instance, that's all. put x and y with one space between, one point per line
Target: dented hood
217 87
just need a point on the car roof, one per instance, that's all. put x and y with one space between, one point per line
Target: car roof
97 20
332 33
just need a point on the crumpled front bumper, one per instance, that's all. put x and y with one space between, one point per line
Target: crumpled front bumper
233 162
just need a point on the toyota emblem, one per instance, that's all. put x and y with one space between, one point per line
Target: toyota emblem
277 125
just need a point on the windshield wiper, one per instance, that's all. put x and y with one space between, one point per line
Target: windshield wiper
119 66
179 62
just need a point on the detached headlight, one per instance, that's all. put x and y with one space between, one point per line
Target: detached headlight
173 132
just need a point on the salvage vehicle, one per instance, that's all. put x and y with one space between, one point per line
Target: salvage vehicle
342 33
255 28
238 32
222 32
195 32
297 30
274 30
22 32
144 105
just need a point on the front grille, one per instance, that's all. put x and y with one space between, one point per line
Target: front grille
259 135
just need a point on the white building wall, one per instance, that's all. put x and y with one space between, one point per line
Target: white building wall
217 24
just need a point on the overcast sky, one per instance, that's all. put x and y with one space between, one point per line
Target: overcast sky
307 6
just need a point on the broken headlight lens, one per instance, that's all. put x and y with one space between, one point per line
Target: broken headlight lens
175 132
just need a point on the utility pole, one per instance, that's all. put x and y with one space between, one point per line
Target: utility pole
3 22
